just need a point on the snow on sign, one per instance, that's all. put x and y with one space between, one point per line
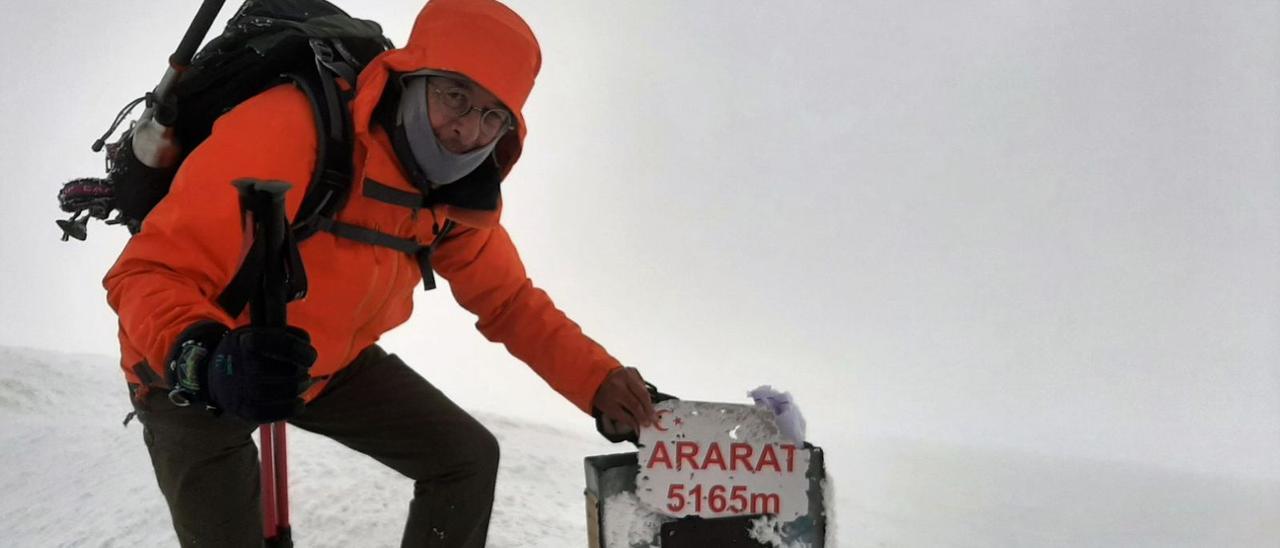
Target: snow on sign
719 460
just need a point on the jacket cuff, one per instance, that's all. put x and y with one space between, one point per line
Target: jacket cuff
594 381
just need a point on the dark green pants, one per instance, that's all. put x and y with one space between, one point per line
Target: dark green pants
207 466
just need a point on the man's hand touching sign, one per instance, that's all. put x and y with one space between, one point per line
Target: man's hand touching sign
624 400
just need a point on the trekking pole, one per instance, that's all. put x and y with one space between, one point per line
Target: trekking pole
264 202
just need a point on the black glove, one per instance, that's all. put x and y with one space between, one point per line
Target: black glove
256 373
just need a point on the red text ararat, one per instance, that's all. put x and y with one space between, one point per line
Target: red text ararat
688 455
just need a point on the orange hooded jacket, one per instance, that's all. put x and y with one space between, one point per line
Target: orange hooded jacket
170 274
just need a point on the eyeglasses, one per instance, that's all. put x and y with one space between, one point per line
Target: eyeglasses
457 99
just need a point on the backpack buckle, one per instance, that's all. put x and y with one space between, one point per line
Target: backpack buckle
324 53
325 59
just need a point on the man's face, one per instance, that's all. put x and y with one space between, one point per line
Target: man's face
464 115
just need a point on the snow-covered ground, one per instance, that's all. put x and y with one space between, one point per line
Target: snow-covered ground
70 475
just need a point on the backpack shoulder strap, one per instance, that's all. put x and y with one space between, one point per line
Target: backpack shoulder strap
331 179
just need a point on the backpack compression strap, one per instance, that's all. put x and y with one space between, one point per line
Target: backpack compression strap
420 253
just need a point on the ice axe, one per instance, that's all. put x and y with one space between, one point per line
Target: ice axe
272 276
153 140
148 152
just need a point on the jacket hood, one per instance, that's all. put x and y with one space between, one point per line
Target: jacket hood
481 39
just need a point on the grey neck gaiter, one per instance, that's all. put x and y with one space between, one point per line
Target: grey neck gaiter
439 164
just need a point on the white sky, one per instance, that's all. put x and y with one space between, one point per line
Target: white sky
1048 226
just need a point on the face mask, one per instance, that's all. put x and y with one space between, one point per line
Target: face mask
441 166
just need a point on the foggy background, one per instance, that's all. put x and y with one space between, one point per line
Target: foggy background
1045 227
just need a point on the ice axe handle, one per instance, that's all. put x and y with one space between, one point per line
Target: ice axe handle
195 34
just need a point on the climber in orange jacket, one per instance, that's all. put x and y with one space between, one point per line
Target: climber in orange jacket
438 126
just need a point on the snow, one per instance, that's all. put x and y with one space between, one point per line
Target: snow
829 502
768 530
786 412
628 522
71 475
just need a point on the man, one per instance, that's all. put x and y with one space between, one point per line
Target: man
438 126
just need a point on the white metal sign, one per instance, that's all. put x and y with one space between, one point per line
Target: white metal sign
717 459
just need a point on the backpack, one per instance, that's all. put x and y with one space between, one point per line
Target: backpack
266 42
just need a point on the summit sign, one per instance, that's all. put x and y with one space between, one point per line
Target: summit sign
720 460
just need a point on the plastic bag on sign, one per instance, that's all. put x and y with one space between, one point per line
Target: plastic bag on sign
787 415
